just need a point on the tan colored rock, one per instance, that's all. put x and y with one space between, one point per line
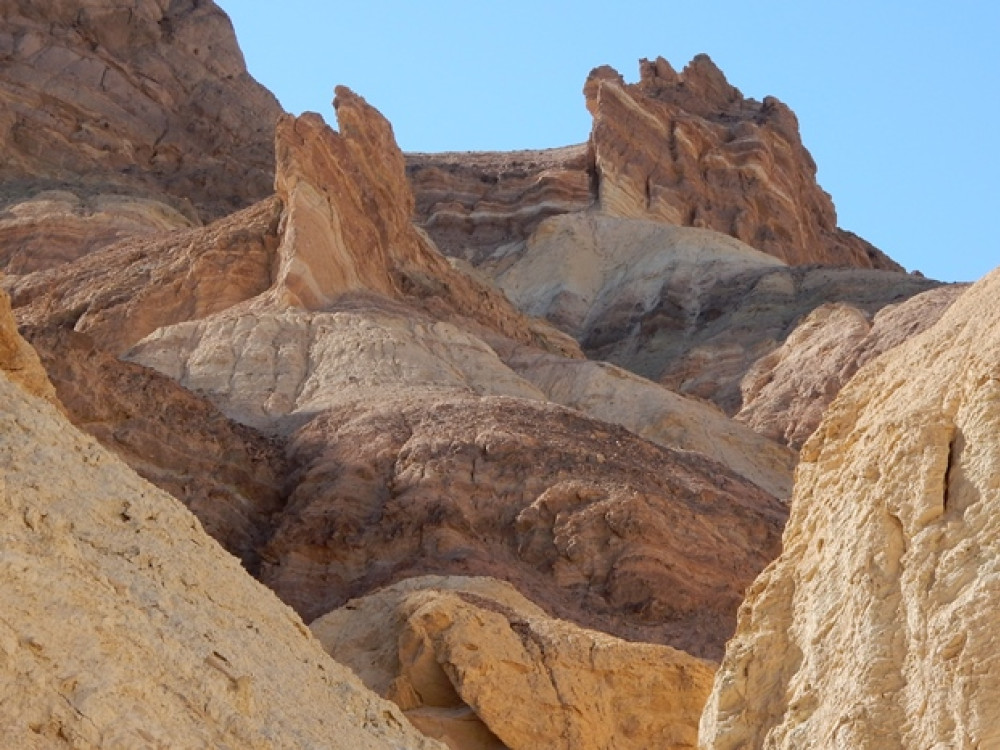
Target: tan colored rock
473 203
611 394
148 99
231 477
57 226
688 149
689 308
605 529
18 360
122 293
442 646
125 625
876 627
786 392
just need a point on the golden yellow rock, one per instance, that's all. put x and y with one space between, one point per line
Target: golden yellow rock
440 646
18 360
877 626
125 625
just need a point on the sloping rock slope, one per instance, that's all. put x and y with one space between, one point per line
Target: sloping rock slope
474 663
125 625
786 392
689 308
876 627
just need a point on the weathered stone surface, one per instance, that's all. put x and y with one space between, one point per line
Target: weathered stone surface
876 628
473 203
125 625
348 227
57 226
688 308
687 148
604 528
611 394
445 648
228 475
122 293
150 99
18 360
786 392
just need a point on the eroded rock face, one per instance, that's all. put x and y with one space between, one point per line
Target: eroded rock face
150 99
876 626
475 664
688 149
231 477
689 308
18 360
473 203
604 528
125 625
786 392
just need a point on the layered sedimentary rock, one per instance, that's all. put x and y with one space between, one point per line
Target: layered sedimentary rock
689 308
689 149
57 226
877 625
604 528
473 203
125 625
786 392
148 99
231 477
475 664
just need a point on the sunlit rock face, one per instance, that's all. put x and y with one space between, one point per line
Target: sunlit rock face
875 626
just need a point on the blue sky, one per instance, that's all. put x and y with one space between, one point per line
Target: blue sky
898 102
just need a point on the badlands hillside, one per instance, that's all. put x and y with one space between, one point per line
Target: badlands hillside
307 442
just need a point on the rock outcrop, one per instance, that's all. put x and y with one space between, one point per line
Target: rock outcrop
688 149
876 627
474 203
786 392
125 625
689 308
18 360
147 99
605 529
475 664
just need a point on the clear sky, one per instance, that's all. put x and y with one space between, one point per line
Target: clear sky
898 102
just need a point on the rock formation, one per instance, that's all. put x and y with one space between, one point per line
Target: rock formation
685 149
786 392
689 308
125 625
475 664
603 528
146 99
474 203
876 627
18 360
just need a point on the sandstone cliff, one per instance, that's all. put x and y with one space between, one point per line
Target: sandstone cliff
786 392
876 626
475 664
150 99
125 625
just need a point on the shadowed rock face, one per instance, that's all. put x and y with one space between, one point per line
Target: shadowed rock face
599 526
149 98
882 607
475 664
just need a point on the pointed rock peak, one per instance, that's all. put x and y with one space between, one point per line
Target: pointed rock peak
658 70
703 73
593 84
347 204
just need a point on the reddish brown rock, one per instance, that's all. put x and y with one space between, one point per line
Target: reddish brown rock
786 392
231 477
601 527
152 99
688 149
473 203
